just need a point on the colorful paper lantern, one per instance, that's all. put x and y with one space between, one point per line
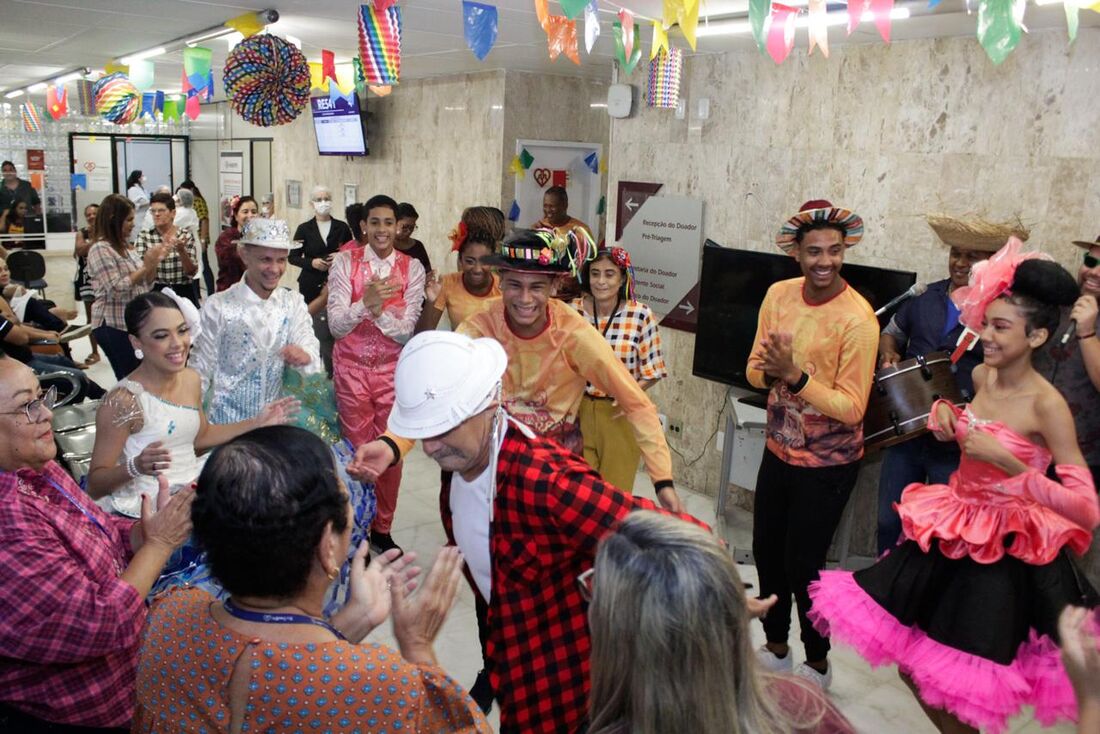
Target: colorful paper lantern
266 80
117 100
380 43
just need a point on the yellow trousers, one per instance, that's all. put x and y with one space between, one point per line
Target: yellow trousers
609 444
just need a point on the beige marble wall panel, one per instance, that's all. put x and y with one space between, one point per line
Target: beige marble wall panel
893 131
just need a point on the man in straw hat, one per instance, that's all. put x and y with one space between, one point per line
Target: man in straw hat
925 324
815 351
1071 361
254 329
527 515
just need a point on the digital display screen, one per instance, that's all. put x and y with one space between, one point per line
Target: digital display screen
338 126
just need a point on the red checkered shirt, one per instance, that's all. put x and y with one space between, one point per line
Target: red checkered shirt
70 630
632 333
550 512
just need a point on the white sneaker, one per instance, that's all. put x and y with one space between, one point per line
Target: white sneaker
772 662
821 680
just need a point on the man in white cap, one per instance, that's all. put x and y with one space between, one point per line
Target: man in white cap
527 515
254 329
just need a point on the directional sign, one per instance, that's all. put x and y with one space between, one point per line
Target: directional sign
632 194
684 316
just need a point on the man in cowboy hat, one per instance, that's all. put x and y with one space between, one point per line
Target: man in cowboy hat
527 515
925 324
254 329
815 350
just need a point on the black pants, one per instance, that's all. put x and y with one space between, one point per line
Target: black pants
796 513
16 722
189 290
116 345
207 273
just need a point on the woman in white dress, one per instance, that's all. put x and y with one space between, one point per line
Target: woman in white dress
139 197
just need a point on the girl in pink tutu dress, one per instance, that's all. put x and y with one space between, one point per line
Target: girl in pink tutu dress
967 604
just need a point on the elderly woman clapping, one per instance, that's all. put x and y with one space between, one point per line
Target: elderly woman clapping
276 523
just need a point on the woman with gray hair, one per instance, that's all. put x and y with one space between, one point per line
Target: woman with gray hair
671 650
319 240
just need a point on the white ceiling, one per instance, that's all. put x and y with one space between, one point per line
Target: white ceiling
40 38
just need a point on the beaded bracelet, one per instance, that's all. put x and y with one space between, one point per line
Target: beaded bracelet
131 468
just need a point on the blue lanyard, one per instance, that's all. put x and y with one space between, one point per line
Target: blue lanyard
77 505
267 618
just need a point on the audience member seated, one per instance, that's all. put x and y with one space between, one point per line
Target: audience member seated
276 523
671 650
73 579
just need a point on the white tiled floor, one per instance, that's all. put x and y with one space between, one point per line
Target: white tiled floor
876 701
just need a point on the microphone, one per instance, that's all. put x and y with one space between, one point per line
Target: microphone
914 290
1070 331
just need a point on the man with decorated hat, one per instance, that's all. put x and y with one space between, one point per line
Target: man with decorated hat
925 324
815 351
254 329
527 515
1071 361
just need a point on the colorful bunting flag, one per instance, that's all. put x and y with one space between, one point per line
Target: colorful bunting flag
360 80
335 93
781 32
380 90
999 27
660 40
479 24
627 62
758 16
141 74
317 78
247 24
197 70
818 27
855 13
513 211
192 107
593 162
602 206
57 101
881 10
626 18
32 120
152 103
1071 20
171 109
526 159
664 78
591 26
572 8
114 67
517 167
542 12
682 13
328 64
380 42
561 37
78 181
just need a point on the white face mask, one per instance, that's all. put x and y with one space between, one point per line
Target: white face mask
142 180
265 211
322 207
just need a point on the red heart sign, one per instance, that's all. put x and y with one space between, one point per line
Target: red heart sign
542 175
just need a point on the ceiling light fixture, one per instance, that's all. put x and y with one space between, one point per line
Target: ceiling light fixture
141 55
72 76
735 27
222 31
13 94
37 87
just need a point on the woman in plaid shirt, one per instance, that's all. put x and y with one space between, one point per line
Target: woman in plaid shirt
628 325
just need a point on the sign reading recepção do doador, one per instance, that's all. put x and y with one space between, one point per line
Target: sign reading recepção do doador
664 236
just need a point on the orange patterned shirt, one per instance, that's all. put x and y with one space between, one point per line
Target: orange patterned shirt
836 344
187 658
459 303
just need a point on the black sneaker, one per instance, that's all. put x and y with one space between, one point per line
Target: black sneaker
382 542
482 692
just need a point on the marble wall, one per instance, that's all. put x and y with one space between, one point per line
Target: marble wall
892 131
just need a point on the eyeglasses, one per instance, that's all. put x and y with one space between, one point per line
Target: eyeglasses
1091 261
160 210
584 581
38 409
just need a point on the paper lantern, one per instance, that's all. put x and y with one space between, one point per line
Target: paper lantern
267 80
117 100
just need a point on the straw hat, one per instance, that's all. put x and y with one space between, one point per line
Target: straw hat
974 233
1087 245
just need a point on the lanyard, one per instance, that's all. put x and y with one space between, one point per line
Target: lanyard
268 618
614 313
80 507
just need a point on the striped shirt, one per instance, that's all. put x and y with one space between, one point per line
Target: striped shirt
632 333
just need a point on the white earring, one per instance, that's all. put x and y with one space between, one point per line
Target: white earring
139 354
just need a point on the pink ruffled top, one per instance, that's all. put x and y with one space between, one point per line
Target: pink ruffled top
981 507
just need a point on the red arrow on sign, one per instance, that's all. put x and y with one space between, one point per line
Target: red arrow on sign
632 194
684 315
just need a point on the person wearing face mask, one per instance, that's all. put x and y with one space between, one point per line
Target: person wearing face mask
267 206
320 239
139 197
375 297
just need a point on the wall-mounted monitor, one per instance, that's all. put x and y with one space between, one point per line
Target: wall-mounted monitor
732 285
339 126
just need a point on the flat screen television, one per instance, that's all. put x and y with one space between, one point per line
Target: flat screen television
339 126
732 285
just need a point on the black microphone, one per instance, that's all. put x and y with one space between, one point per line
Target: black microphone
1069 333
914 290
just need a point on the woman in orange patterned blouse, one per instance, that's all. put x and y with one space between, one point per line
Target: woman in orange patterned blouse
275 521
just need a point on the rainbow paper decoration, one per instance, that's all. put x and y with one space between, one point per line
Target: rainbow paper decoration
380 43
117 100
32 120
57 101
664 78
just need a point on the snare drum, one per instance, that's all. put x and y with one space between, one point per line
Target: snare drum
902 397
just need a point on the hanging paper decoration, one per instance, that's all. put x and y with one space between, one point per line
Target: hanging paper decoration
513 211
758 15
152 103
78 181
85 97
572 8
526 159
247 24
999 27
192 107
141 74
781 33
117 100
517 167
1071 20
360 80
591 26
881 9
32 120
593 162
266 80
542 12
855 13
479 24
57 101
317 78
210 86
664 79
336 93
933 3
380 43
660 40
171 109
328 64
603 165
115 68
685 14
627 64
626 19
196 67
381 90
561 37
602 206
818 27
